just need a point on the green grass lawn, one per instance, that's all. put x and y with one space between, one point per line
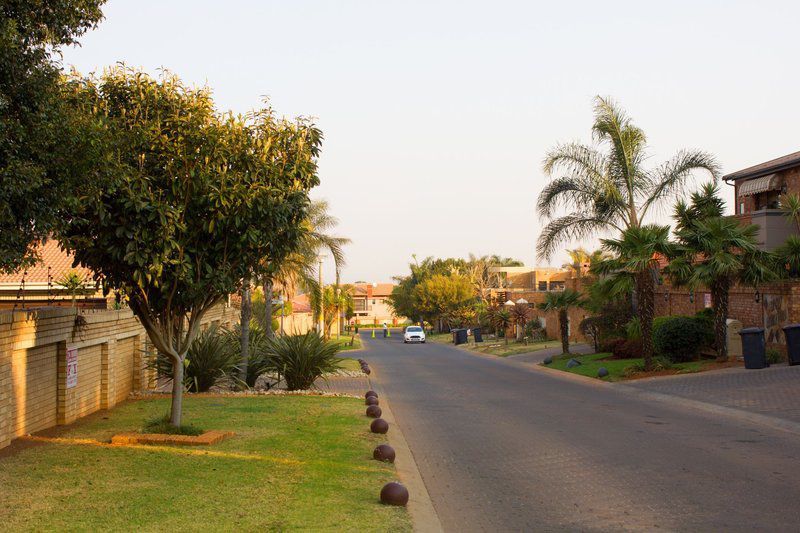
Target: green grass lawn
616 367
496 347
296 463
349 363
344 343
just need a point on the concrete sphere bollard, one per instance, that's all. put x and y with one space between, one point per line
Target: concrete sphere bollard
370 393
548 359
384 453
367 371
602 372
374 411
379 425
394 494
371 400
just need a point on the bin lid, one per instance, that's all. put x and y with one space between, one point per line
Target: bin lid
791 326
745 331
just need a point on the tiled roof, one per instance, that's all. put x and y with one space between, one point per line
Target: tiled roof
51 256
301 304
761 169
379 289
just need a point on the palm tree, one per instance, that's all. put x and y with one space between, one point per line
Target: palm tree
716 252
519 314
788 254
579 258
634 267
501 320
298 270
74 282
611 190
561 302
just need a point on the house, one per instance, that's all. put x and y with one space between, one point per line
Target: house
758 190
39 285
371 304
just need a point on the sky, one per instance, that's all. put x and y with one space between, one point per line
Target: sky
437 114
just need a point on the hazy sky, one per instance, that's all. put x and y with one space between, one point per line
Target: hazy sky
437 114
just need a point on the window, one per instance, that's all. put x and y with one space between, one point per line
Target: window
741 208
542 285
373 302
557 286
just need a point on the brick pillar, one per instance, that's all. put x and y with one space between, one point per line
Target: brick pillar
6 428
66 397
108 378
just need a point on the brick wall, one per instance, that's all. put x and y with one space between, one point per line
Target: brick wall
33 364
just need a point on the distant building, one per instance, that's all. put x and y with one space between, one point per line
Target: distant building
371 304
38 285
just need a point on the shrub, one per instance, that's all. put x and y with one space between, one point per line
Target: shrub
590 327
628 349
774 356
301 359
534 330
258 361
679 338
209 360
608 345
633 329
659 364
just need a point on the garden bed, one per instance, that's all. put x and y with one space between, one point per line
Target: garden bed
591 363
296 463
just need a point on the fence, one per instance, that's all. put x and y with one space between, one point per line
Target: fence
57 365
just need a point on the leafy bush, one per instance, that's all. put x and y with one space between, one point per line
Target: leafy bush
633 329
774 356
534 330
610 344
590 327
301 359
628 349
679 338
209 360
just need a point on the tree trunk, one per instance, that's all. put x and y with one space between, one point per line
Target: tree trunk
244 327
177 392
645 297
563 324
268 308
719 296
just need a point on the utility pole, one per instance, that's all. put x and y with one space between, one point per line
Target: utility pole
321 299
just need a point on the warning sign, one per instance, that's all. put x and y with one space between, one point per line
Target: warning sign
72 367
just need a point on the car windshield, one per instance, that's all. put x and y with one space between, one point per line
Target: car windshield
414 329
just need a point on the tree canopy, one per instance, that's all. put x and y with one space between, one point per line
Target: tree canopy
197 199
47 149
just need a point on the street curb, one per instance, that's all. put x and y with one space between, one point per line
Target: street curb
666 399
423 514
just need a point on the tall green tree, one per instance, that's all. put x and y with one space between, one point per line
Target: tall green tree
196 202
716 252
47 147
607 188
561 302
633 267
439 295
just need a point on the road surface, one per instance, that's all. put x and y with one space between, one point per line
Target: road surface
503 447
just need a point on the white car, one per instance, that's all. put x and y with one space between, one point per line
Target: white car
414 334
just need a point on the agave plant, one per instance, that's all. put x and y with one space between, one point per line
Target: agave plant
301 359
209 360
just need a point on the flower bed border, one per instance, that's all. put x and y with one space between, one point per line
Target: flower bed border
206 439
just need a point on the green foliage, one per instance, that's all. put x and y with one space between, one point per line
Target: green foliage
301 359
679 338
608 190
633 329
210 359
659 364
161 425
562 300
257 362
440 294
198 199
628 349
774 356
49 149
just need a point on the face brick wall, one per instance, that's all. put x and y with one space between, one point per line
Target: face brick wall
110 347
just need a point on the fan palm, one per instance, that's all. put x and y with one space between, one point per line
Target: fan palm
716 252
561 302
608 190
633 267
788 254
579 258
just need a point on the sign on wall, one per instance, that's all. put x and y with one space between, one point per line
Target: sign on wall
72 367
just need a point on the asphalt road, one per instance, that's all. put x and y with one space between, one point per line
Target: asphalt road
502 447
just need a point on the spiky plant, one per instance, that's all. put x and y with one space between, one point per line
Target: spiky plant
301 359
608 190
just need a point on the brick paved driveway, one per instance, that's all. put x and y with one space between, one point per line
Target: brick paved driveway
502 447
773 391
